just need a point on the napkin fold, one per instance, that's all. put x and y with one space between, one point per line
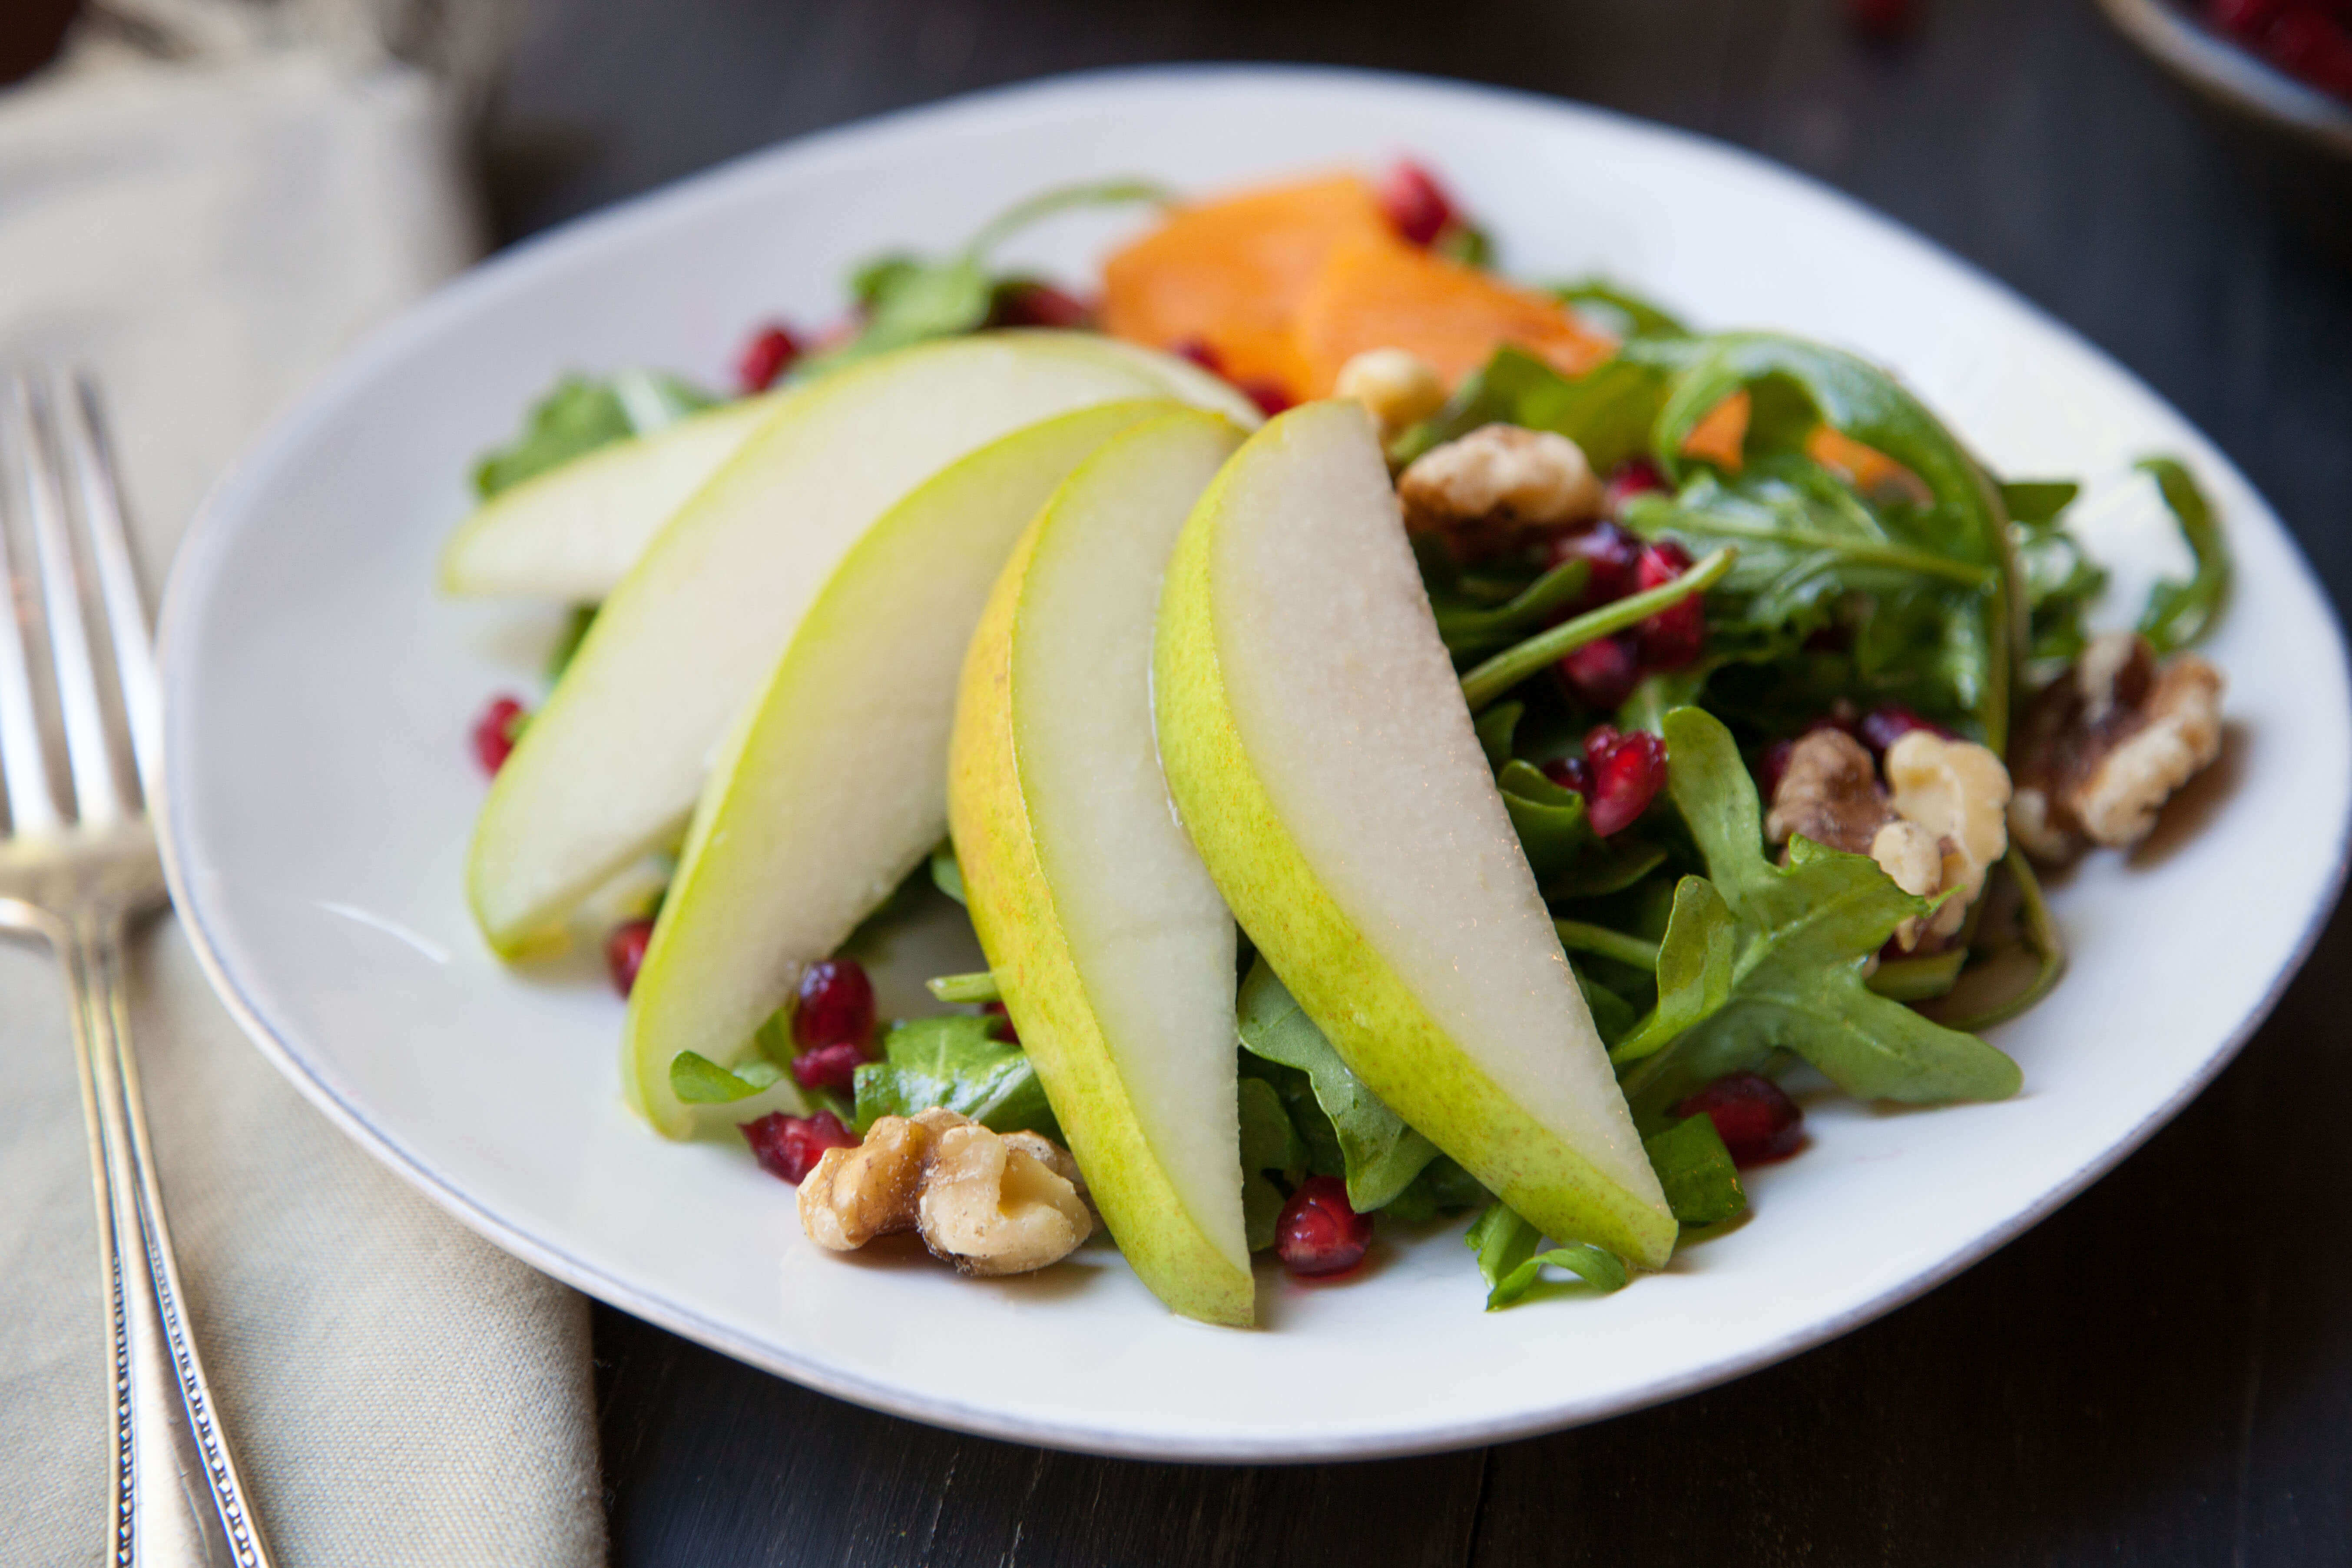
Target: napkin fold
206 232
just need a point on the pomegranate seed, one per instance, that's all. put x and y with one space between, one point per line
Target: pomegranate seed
1602 674
1889 722
1773 766
496 729
1634 477
1415 204
1000 1023
770 353
790 1146
1270 396
1613 553
1318 1234
1201 352
1041 305
1756 1120
830 1067
1882 18
1627 772
624 952
835 1004
1675 634
1570 772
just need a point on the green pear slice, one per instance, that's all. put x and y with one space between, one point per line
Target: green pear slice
1113 949
609 769
836 786
573 531
1320 751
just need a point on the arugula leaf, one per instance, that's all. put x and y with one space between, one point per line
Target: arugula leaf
698 1080
1472 630
1619 310
1379 1155
1508 1259
1792 386
1694 967
580 416
1443 1188
1611 1014
2036 501
2061 582
955 1063
906 299
1701 1183
568 641
1805 932
978 987
1495 727
1607 411
946 871
2179 614
1547 647
1269 1142
1549 819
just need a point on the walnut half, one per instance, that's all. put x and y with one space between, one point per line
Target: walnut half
1497 483
989 1204
2105 745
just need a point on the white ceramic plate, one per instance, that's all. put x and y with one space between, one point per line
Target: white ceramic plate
320 793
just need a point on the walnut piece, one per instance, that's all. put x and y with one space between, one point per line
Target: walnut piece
1398 385
990 1207
1958 791
1914 858
2105 745
1498 482
989 1204
1829 794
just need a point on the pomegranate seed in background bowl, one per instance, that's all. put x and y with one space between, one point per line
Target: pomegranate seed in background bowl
1628 771
831 1066
496 730
1600 674
1757 1120
1320 1235
770 353
624 952
834 1005
788 1147
1415 204
1678 634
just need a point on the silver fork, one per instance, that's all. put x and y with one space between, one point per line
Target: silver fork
76 870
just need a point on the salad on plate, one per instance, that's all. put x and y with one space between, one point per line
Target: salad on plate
1410 744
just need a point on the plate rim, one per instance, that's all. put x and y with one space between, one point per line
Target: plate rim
514 268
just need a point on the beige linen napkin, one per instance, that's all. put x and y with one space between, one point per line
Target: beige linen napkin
207 235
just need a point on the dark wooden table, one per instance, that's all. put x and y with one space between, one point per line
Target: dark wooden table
2162 1374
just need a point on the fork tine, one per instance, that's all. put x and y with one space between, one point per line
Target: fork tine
90 457
32 808
96 801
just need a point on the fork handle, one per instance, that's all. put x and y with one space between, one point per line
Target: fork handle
178 1499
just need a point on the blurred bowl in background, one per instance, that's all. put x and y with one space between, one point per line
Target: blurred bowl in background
2294 138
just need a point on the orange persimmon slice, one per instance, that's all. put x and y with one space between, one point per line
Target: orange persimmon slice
1381 292
1229 274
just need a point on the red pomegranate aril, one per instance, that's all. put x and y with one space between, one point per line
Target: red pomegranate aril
1613 553
1678 634
1318 1234
1415 204
1569 773
1633 477
830 1067
1628 771
770 353
1271 397
496 729
835 1004
1000 1022
624 952
1889 722
1771 767
788 1147
1041 305
1199 352
1757 1121
1602 674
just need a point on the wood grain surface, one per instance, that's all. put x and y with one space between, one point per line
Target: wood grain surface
2159 1374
